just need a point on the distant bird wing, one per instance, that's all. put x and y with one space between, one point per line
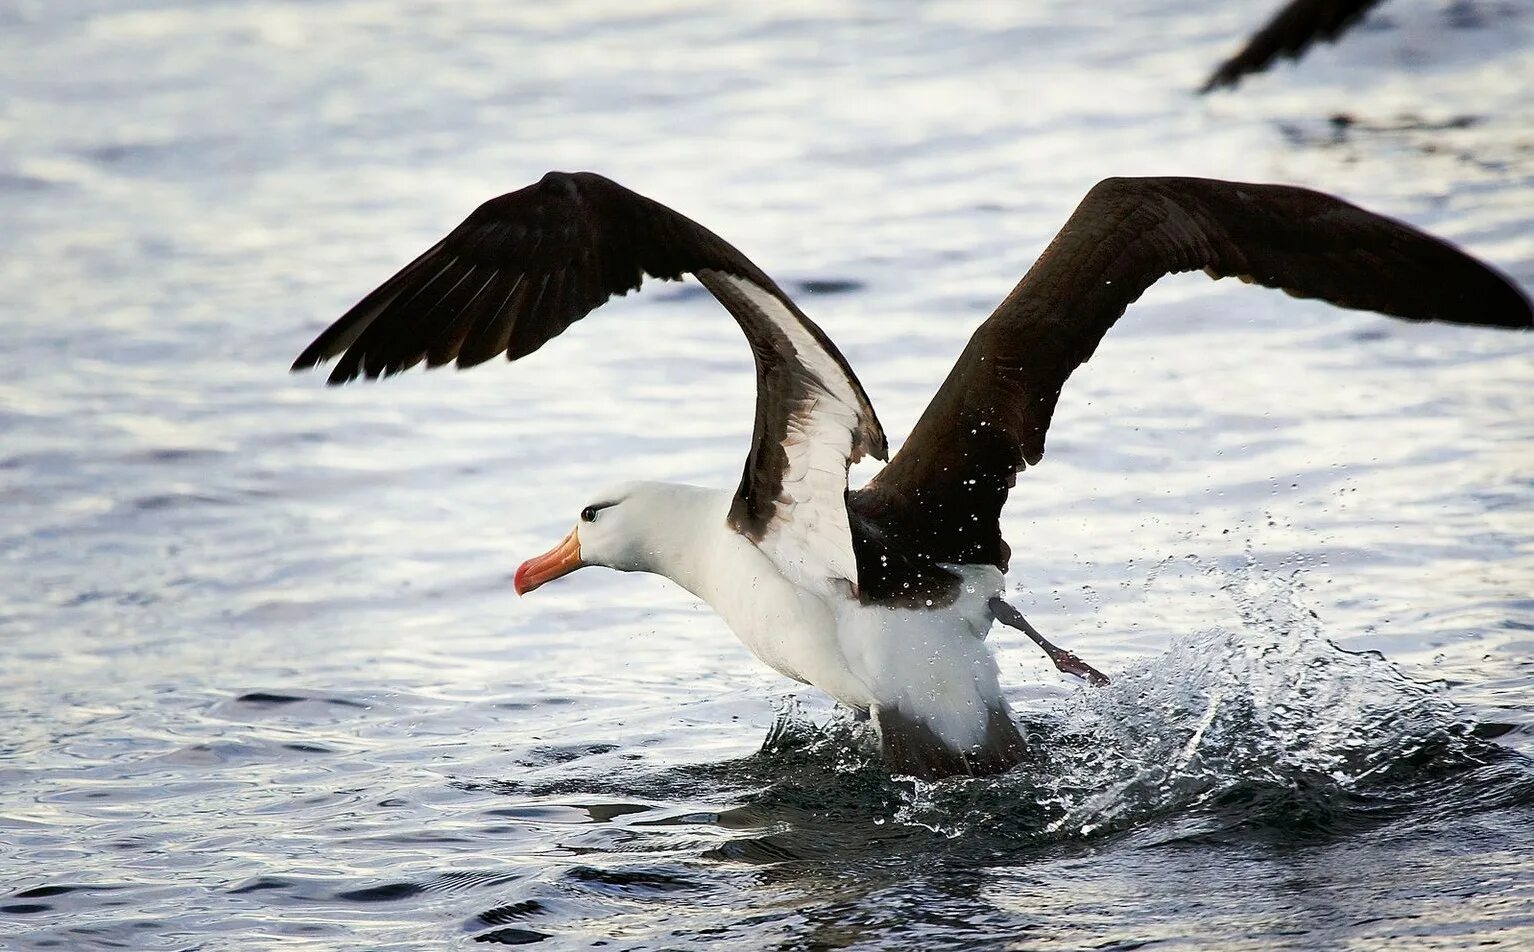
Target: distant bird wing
1291 31
945 487
527 265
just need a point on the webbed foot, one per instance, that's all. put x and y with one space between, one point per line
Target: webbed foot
1064 660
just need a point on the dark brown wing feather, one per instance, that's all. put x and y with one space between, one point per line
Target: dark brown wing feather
527 265
942 493
1291 31
517 272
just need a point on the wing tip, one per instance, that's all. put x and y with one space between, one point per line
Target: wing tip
323 347
1523 305
1505 305
358 369
307 360
314 355
1222 78
1517 322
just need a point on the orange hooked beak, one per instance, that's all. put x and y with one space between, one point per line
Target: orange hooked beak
560 560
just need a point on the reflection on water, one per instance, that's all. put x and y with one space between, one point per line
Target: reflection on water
266 679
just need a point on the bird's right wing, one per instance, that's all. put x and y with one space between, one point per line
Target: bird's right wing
525 266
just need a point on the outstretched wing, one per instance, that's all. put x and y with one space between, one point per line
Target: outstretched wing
946 486
1291 31
527 265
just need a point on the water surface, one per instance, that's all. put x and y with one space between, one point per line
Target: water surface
266 679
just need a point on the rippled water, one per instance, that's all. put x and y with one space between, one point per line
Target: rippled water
265 676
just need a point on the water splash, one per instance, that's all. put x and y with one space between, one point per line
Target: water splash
1264 739
1266 728
1266 725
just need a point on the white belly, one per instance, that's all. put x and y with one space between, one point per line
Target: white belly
933 665
930 664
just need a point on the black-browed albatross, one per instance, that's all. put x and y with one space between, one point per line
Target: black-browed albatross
880 596
1291 31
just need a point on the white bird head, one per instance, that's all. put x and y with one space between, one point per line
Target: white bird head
631 527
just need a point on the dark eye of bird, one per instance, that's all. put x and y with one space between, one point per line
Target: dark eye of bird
589 514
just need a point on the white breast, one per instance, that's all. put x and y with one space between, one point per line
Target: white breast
933 664
789 628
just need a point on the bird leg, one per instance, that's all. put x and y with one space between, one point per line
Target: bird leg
1064 660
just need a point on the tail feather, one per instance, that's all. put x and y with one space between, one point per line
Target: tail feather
910 746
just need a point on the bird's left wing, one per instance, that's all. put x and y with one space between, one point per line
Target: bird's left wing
527 265
946 486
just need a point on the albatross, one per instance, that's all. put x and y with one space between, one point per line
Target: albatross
1291 31
880 596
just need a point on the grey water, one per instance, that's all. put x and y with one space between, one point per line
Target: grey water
265 681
